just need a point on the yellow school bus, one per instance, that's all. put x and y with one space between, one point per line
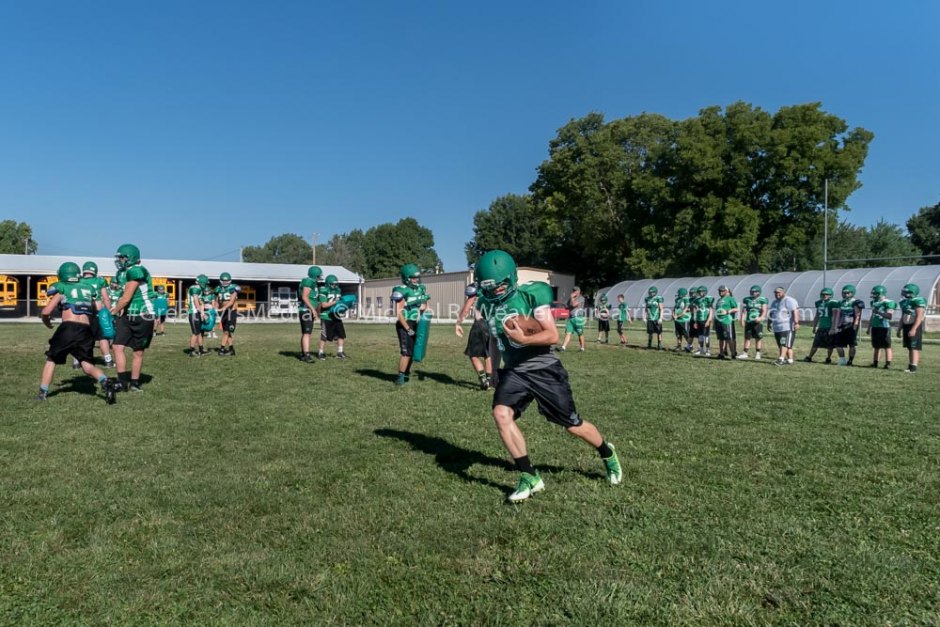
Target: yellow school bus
9 292
169 286
247 299
42 285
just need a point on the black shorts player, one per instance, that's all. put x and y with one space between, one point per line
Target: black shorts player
548 386
71 338
135 332
478 341
332 330
406 341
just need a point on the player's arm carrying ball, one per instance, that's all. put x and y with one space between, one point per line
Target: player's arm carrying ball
539 330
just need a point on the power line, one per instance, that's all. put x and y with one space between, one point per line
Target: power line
231 252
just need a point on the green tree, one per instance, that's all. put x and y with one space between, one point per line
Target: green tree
924 227
344 249
286 248
14 236
387 247
512 224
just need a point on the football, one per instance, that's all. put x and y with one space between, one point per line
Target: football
529 326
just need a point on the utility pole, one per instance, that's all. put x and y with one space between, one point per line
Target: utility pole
26 251
241 254
314 249
825 230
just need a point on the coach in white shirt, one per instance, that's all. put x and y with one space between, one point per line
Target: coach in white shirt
784 320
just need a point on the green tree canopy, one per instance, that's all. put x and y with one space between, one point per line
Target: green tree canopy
387 247
13 236
286 248
924 228
511 224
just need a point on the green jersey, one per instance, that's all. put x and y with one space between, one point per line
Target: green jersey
652 305
193 298
753 307
310 284
682 311
723 309
878 309
523 302
115 291
703 306
209 296
622 312
79 297
226 293
848 308
326 295
413 297
909 307
824 309
142 298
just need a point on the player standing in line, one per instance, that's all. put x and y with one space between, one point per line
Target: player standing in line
784 321
911 329
576 316
228 312
703 318
879 326
332 328
653 316
822 325
478 341
531 371
195 312
623 317
133 326
602 313
845 324
410 300
753 315
307 293
726 309
79 304
681 316
161 305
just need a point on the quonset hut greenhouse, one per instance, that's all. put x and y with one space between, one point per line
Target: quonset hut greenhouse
803 286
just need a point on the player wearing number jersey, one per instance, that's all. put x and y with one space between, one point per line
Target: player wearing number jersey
822 325
846 321
726 309
307 292
911 330
879 326
410 300
753 314
134 324
682 317
100 285
702 314
653 315
227 295
332 328
195 312
623 317
532 371
79 303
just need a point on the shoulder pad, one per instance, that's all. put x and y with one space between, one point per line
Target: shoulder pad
397 296
540 292
470 291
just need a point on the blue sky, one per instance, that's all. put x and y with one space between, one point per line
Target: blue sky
194 128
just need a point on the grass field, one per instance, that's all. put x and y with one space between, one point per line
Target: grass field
261 490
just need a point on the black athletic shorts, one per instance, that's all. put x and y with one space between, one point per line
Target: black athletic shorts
822 339
725 331
620 327
161 318
228 318
306 322
332 330
478 341
846 337
654 327
785 339
753 330
406 342
133 331
881 337
682 329
547 386
71 338
912 343
195 323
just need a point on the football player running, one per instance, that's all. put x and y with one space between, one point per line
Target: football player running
532 371
133 326
911 330
79 303
410 300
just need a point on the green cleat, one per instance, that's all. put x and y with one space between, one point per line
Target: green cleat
614 471
402 379
527 486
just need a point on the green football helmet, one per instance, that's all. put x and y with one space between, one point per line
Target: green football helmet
160 289
653 291
127 255
202 280
604 298
701 289
314 272
225 278
848 288
756 288
682 293
90 267
69 272
495 270
911 290
878 291
331 280
411 275
826 291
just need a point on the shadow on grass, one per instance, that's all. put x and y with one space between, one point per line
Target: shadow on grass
84 384
292 354
446 379
457 461
378 374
